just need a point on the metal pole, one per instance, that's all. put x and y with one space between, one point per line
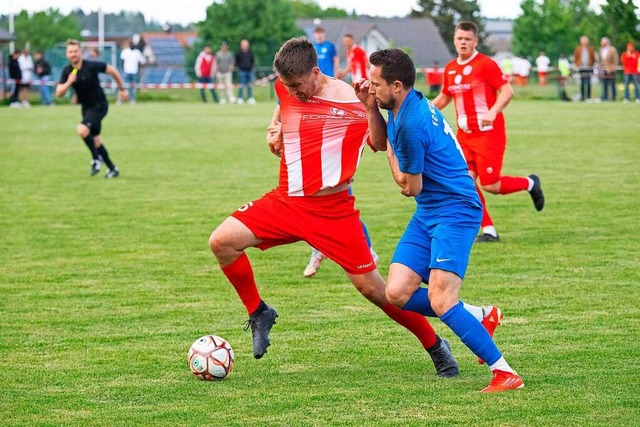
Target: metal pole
12 45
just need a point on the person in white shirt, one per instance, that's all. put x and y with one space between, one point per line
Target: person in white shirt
26 68
542 63
131 60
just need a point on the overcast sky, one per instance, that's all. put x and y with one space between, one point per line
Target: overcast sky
194 10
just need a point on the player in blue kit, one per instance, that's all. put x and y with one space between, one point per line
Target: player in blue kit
427 163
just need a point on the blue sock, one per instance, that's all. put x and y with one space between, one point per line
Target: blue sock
471 333
366 233
419 302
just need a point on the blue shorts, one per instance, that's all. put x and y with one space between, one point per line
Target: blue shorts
445 245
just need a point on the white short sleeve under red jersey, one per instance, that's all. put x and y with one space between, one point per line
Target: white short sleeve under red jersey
323 142
473 85
358 63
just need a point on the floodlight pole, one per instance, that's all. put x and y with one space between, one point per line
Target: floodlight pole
100 29
12 44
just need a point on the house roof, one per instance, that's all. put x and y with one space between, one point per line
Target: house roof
419 35
5 36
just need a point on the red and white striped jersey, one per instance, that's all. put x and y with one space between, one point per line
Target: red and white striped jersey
473 84
323 142
358 63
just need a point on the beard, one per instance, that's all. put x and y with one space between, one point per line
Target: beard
389 105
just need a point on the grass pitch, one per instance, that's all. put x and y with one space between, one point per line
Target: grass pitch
105 284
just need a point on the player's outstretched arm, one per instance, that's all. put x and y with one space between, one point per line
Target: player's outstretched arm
62 88
441 101
115 75
274 133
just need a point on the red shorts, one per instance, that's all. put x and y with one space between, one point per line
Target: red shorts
484 153
331 224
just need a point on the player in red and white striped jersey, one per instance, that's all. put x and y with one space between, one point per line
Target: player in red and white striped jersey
319 130
480 92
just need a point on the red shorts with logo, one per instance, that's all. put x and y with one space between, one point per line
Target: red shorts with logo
484 153
331 224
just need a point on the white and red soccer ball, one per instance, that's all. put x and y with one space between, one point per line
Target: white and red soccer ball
211 358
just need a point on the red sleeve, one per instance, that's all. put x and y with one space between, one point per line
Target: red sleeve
445 81
493 74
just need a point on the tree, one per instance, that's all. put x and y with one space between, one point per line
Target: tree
311 9
620 22
43 30
553 26
235 20
446 14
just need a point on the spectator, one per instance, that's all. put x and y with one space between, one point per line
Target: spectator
506 65
26 68
245 62
205 69
608 64
564 68
630 59
16 75
521 69
328 60
584 57
434 78
357 61
224 61
43 71
542 63
131 60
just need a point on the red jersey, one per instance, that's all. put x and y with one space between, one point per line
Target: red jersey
323 141
434 76
357 63
630 62
473 84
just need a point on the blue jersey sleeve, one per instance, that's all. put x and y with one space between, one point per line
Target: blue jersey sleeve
410 149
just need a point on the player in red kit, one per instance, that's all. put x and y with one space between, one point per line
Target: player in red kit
357 61
319 130
480 92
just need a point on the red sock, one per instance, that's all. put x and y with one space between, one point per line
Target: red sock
486 218
240 274
512 184
414 322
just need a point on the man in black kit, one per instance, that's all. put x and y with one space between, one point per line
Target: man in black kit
83 76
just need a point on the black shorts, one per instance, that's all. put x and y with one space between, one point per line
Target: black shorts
92 117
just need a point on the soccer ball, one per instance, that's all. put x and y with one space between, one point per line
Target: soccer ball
211 358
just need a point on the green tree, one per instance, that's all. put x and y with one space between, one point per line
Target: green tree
447 13
311 9
43 30
235 20
552 26
620 22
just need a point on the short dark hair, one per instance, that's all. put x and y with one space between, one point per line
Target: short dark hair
394 65
73 42
467 26
296 57
319 30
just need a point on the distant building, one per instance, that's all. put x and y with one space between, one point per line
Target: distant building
499 37
419 36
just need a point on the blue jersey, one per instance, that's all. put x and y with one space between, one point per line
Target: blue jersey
326 52
424 143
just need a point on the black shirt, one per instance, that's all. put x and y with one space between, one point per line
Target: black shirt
244 60
14 69
87 84
42 68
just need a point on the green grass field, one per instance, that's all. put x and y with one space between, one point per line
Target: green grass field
104 284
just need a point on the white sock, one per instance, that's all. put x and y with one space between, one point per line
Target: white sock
502 365
530 184
490 229
474 310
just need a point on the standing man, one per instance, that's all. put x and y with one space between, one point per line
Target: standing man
26 68
481 92
205 69
427 163
630 59
131 59
43 72
319 130
82 75
245 62
224 62
15 74
357 61
328 60
584 58
608 65
434 78
542 64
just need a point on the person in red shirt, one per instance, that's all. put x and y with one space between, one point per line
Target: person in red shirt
630 60
205 68
480 92
434 77
357 60
319 130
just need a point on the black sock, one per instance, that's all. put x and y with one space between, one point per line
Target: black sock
262 307
88 140
105 157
